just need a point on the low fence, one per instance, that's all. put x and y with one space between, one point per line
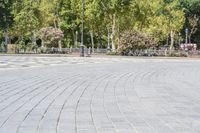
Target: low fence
2 51
175 53
148 52
61 51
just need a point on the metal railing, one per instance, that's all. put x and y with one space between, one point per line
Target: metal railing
147 52
61 51
163 53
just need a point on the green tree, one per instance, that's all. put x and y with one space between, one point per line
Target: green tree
6 17
175 17
69 19
192 13
27 19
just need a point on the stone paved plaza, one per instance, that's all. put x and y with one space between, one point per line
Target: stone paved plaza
99 95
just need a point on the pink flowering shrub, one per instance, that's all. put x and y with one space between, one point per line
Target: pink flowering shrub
51 36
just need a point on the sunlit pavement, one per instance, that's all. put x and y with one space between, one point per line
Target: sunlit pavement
99 95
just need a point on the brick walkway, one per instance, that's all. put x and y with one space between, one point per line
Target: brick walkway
99 95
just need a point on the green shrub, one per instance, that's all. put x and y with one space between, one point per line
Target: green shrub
178 54
21 46
112 53
2 46
41 50
183 55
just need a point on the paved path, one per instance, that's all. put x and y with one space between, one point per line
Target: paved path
93 95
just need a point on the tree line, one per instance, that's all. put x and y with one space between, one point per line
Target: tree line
58 22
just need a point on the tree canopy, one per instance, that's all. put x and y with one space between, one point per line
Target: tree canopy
163 20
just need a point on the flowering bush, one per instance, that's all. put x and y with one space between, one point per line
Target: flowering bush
132 41
51 36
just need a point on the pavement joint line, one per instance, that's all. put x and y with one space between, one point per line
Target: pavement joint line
109 94
63 81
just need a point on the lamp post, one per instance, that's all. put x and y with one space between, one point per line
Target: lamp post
82 46
179 39
186 35
76 41
6 40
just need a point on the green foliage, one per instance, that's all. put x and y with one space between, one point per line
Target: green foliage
2 46
178 54
27 18
30 46
42 50
192 22
21 46
113 53
157 18
6 16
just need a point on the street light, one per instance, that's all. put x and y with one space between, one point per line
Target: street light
186 35
76 39
82 46
6 40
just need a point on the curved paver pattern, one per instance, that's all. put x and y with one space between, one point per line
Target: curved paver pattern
99 95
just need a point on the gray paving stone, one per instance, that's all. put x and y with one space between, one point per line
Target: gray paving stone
99 95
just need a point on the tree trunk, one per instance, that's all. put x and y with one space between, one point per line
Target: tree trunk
74 38
42 42
6 39
190 35
189 39
99 43
92 40
118 39
55 25
172 40
59 45
167 41
99 40
108 39
76 43
113 33
34 38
